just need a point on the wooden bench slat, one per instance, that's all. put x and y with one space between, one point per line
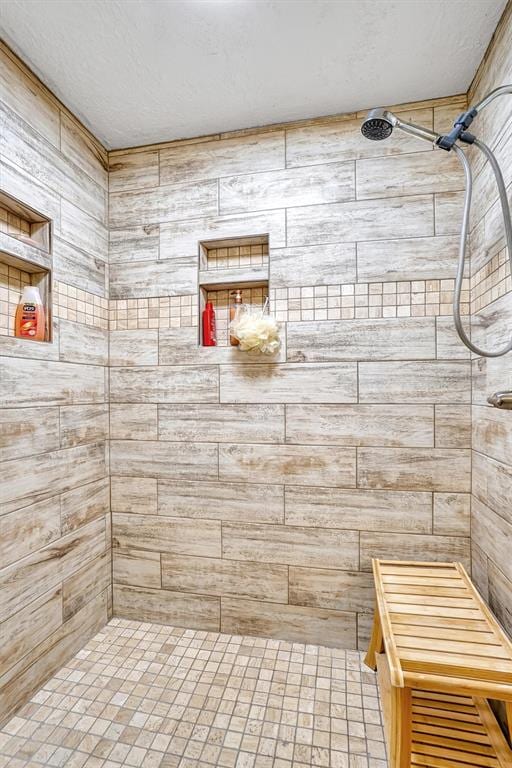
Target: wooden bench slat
458 646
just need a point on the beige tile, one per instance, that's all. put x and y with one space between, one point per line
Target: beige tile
79 146
291 545
91 580
136 567
413 547
226 157
448 344
137 347
23 632
408 174
361 220
414 382
313 265
160 204
329 183
166 534
133 421
399 511
415 258
21 429
164 607
169 461
140 279
164 384
41 382
221 501
81 343
83 230
492 433
230 578
453 426
493 534
28 529
179 346
134 494
133 170
221 423
299 465
139 243
81 424
390 339
421 469
492 484
297 624
289 383
452 512
76 267
448 210
500 588
83 504
380 425
337 590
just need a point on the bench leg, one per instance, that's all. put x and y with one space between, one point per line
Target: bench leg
401 732
376 643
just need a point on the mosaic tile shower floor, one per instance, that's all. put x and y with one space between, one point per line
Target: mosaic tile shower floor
160 697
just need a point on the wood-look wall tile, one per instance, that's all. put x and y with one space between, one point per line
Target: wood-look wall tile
28 578
169 461
385 339
409 174
164 384
221 423
46 474
480 570
310 185
176 535
161 204
490 375
28 529
291 545
452 513
448 344
181 238
91 580
144 279
79 147
492 433
83 343
221 501
81 424
23 632
493 534
134 170
289 622
364 630
25 431
289 383
500 589
28 382
226 578
382 425
222 157
337 590
163 607
133 347
385 546
414 258
492 484
414 382
83 231
140 243
361 220
453 426
448 210
84 504
294 464
179 346
38 195
79 268
134 494
134 421
137 567
341 139
313 265
415 469
398 511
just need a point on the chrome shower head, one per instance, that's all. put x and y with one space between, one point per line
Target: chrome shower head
378 125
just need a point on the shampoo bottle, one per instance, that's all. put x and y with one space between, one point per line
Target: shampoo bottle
209 331
30 316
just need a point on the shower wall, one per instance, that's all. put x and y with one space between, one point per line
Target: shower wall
249 495
491 326
54 494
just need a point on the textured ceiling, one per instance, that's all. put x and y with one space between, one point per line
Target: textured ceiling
143 71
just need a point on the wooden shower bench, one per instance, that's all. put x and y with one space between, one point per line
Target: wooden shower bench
440 655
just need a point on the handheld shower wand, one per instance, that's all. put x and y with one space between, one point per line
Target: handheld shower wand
379 125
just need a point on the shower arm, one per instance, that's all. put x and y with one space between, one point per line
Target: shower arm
460 131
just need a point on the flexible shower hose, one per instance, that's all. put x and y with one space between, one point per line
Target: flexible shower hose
464 237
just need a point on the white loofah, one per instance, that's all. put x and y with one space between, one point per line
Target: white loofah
256 332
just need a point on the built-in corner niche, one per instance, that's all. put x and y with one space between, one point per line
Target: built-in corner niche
227 265
25 259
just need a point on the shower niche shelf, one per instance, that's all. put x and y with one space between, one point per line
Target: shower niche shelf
25 259
226 265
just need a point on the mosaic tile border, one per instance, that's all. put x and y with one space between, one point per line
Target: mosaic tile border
491 282
71 303
158 312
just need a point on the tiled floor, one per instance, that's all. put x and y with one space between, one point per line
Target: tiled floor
150 695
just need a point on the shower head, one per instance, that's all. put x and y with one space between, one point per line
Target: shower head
378 124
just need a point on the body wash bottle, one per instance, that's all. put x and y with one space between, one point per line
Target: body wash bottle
30 315
209 328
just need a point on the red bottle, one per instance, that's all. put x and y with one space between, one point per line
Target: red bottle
209 333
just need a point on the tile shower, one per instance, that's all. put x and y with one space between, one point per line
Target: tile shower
206 490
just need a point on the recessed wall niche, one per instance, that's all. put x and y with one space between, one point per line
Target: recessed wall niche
25 259
227 265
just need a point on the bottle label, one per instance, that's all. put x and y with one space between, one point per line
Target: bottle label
28 325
